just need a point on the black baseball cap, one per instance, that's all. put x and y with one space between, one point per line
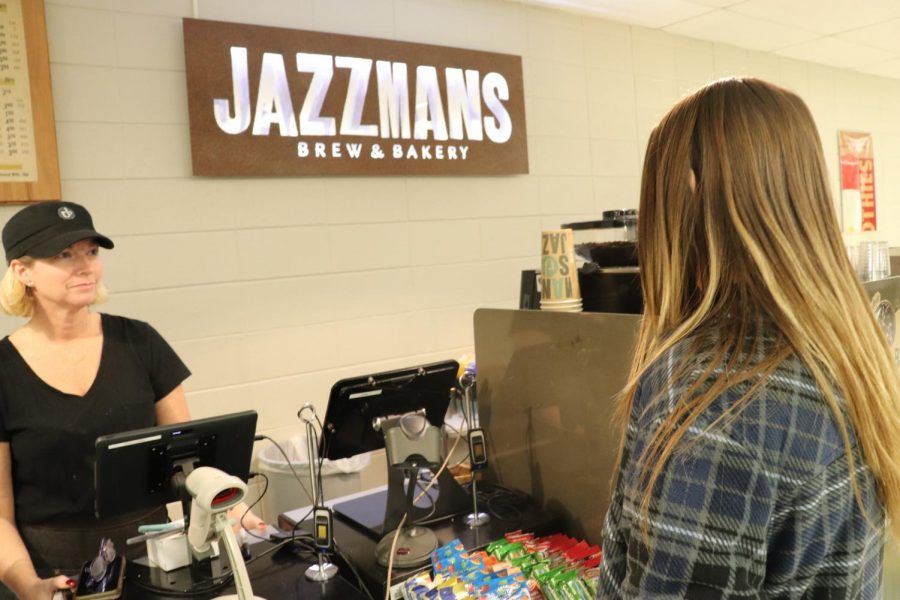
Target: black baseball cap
47 228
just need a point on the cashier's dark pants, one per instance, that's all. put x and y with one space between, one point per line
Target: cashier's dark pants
58 549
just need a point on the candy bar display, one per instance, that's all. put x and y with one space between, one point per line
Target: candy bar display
519 566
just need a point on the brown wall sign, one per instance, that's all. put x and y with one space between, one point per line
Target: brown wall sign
272 101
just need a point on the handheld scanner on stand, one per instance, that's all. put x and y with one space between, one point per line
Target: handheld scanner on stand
477 449
323 529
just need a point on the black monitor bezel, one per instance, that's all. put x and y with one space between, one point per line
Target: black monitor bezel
354 402
133 469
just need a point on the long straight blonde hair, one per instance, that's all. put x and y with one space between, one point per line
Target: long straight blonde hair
753 241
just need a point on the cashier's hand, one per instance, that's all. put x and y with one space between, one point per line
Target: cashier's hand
43 589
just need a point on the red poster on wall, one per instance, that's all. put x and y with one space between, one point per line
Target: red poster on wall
857 181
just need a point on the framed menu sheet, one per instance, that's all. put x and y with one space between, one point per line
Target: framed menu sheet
29 168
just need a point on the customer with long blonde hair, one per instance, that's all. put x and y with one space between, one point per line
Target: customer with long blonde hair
759 458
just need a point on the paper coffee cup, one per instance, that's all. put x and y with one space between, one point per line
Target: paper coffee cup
559 273
574 306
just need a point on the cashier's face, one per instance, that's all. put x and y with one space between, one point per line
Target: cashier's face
70 278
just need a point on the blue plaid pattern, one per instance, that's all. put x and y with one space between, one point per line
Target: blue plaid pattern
760 506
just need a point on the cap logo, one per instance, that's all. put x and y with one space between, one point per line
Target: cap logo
66 213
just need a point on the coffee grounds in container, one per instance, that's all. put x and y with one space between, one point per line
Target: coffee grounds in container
609 254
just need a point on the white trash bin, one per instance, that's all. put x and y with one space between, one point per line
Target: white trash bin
339 477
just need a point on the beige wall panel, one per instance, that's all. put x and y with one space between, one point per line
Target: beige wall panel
359 247
80 36
183 313
91 93
165 206
276 202
385 200
560 155
440 22
367 18
150 262
149 42
509 238
500 27
282 252
148 96
552 116
151 151
297 14
441 242
566 195
471 197
90 150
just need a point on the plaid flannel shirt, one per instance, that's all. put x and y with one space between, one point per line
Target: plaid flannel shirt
761 506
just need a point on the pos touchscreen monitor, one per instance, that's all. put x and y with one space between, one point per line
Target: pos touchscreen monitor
144 468
356 403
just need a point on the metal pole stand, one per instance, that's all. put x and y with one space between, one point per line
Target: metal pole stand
324 570
477 463
476 519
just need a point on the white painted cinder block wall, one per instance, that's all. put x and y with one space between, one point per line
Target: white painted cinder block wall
272 289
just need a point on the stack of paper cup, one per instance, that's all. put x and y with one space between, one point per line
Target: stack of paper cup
559 274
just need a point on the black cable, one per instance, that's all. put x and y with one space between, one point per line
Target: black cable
268 551
317 473
433 505
347 561
502 502
289 464
255 502
322 456
306 537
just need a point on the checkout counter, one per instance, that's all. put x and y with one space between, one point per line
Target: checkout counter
546 388
357 541
278 575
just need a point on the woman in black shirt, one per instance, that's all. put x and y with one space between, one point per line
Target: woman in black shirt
67 376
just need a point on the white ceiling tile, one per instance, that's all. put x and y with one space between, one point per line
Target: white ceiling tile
717 3
890 68
822 16
649 13
860 34
839 53
741 30
884 35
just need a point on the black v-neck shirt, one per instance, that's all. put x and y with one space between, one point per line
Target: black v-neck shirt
51 433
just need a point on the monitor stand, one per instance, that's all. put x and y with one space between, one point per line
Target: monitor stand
371 513
451 500
411 545
413 548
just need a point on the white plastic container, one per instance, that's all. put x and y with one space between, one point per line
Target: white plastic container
285 493
170 552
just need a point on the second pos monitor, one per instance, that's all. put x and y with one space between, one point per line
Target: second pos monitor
358 405
355 404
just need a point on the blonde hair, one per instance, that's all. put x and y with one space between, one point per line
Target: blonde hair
754 248
16 298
